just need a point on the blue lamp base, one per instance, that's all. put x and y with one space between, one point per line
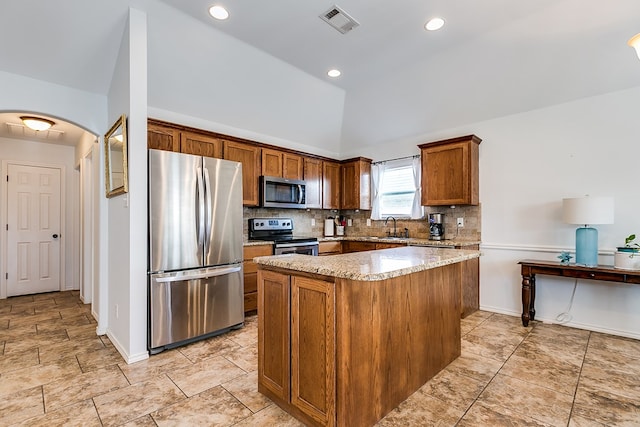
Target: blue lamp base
587 246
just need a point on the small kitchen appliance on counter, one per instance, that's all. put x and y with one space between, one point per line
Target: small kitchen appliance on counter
436 226
280 231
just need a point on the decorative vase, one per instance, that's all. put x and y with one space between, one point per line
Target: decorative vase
627 259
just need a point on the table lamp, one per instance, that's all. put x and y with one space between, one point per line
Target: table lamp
584 211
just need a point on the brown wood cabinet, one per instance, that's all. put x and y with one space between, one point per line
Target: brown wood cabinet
165 137
335 351
162 137
331 185
249 156
333 247
201 145
349 246
251 274
470 284
292 166
313 177
450 171
389 245
272 162
297 359
356 183
281 164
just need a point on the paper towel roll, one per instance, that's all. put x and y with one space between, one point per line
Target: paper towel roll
328 227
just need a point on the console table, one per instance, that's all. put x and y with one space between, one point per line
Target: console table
530 268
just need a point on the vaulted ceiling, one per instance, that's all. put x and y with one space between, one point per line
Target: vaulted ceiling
492 58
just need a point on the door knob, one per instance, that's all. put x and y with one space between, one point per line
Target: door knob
55 236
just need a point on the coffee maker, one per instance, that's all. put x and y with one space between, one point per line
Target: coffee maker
436 226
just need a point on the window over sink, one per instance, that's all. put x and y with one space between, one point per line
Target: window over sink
396 189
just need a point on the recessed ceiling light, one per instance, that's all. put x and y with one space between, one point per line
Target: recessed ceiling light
218 12
36 123
434 24
333 73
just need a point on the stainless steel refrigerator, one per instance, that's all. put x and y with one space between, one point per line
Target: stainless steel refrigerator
195 248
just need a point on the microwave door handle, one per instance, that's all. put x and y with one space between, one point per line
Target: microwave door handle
208 202
300 194
200 203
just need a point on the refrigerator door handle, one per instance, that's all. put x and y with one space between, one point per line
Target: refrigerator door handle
200 207
198 275
208 201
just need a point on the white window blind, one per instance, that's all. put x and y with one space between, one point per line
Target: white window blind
398 185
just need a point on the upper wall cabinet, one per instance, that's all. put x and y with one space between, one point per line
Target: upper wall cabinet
162 137
330 185
450 171
313 179
281 164
356 183
249 156
165 137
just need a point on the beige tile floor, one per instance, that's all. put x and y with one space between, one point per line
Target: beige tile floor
54 370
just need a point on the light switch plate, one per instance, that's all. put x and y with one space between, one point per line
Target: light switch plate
368 222
349 222
460 222
313 222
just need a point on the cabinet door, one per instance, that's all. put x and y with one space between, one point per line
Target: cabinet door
356 184
201 145
329 248
354 246
272 162
292 167
450 172
388 245
313 357
313 178
249 156
330 185
273 334
162 137
251 274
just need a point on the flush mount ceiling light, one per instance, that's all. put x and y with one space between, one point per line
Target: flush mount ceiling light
36 123
434 24
634 42
333 73
218 12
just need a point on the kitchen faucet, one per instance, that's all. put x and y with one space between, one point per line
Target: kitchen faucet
395 234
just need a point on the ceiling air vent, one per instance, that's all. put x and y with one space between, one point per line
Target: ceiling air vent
339 19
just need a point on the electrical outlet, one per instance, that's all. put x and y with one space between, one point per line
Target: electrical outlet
313 222
349 222
460 222
117 311
368 222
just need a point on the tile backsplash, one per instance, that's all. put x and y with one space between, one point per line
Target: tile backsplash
302 220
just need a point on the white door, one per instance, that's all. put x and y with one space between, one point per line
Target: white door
33 230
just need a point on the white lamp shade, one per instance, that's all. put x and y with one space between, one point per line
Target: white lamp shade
588 210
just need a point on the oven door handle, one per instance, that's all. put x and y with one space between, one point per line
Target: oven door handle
294 245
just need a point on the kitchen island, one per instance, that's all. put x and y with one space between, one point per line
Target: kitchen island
344 339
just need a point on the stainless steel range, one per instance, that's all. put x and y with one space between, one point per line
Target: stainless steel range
280 231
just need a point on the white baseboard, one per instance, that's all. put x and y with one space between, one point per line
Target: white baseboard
127 358
577 325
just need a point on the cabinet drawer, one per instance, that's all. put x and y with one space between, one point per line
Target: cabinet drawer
329 247
250 301
250 252
250 282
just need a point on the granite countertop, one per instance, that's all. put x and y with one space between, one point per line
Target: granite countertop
370 265
411 241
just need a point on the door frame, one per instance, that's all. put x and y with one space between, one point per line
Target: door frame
4 212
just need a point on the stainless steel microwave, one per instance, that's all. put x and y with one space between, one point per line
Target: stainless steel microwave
278 192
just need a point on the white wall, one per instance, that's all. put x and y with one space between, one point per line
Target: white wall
204 78
44 154
529 162
127 285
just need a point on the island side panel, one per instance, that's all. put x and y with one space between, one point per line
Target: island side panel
392 336
273 335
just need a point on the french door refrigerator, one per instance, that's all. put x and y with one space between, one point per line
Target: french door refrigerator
195 248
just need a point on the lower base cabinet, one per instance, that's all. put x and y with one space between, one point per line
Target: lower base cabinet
296 358
251 273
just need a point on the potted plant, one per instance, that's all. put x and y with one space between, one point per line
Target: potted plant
627 257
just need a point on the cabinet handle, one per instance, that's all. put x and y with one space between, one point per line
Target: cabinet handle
592 275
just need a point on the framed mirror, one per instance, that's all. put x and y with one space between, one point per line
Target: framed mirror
115 152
